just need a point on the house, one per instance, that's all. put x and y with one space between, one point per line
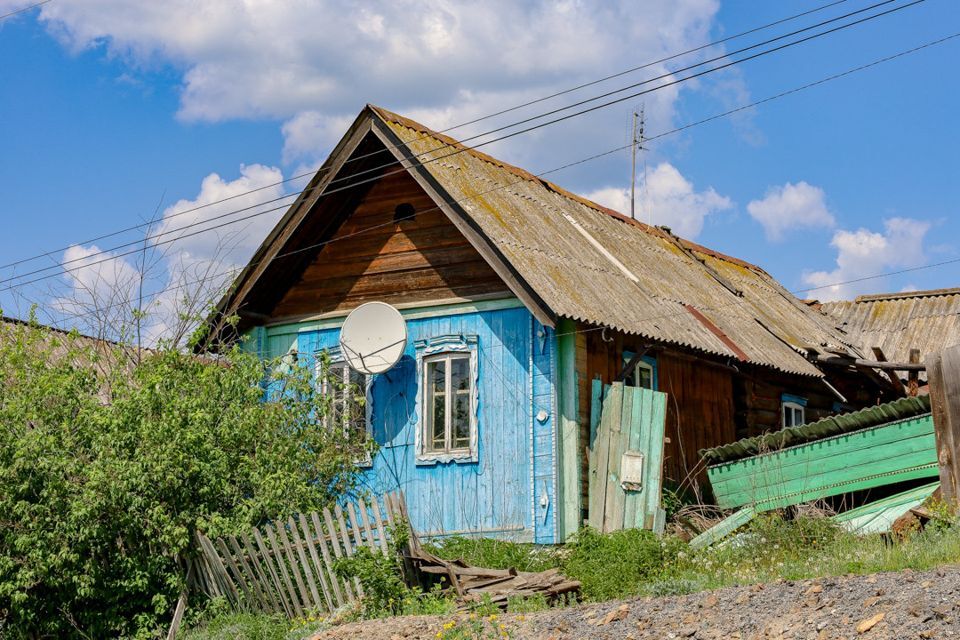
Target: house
517 294
893 324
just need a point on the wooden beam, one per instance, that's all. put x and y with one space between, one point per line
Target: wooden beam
892 375
913 380
943 376
842 361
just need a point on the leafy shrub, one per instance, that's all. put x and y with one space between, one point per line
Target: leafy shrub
617 564
108 467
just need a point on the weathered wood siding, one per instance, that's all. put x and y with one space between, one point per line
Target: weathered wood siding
510 491
421 259
758 395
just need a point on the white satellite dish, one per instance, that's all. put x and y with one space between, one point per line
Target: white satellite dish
373 337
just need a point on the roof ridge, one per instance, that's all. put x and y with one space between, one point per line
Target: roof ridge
903 295
386 114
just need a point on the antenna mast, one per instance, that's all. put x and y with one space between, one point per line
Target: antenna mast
636 144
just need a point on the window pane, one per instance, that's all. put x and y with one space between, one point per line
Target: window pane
460 383
644 377
436 404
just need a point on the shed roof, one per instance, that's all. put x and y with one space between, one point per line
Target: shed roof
897 322
589 263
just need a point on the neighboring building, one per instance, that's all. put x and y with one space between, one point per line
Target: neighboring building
520 293
898 322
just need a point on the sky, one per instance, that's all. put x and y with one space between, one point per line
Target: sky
128 116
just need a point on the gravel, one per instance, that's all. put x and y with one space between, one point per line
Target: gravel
905 604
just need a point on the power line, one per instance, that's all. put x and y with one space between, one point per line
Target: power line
459 149
457 126
27 8
233 272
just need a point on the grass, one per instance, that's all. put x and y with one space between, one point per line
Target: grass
633 562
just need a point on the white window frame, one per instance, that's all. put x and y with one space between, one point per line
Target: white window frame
336 361
793 407
438 349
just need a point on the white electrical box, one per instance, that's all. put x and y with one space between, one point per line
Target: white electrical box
631 471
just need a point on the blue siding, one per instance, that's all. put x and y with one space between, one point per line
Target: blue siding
499 494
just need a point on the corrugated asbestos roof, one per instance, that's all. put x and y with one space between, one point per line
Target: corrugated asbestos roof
834 425
591 264
925 320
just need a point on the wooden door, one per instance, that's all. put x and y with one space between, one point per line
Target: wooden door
626 457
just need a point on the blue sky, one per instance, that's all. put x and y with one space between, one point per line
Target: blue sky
112 114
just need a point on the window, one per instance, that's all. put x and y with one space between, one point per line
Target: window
793 410
350 398
448 394
643 374
447 399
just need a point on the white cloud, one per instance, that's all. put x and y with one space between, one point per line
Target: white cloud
864 253
314 64
670 200
791 206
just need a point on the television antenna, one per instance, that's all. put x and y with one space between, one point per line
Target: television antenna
373 338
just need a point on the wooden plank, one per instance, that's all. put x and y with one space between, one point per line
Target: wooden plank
267 586
596 404
567 512
613 508
913 377
295 568
347 545
304 563
317 564
367 530
360 538
327 561
381 525
265 555
219 570
609 419
943 377
332 531
723 528
877 516
285 574
635 437
239 577
257 581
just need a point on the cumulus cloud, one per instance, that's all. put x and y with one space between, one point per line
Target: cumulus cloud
669 199
314 64
864 253
791 206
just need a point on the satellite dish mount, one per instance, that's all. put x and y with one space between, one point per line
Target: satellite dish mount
373 338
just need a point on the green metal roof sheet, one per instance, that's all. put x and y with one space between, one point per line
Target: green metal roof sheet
824 428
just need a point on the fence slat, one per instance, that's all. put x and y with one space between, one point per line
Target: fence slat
371 540
279 559
268 587
219 571
293 565
255 579
332 530
381 525
265 555
348 547
305 564
318 567
327 562
239 577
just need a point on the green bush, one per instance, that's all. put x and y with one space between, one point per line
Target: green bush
108 466
617 564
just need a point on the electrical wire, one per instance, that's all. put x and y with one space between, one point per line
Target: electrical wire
457 126
27 8
458 150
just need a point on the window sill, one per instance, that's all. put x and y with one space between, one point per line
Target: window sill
429 459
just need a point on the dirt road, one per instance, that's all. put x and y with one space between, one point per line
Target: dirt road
891 605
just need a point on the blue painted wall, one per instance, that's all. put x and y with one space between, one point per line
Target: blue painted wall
509 492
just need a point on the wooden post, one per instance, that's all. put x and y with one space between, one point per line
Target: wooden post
913 380
943 376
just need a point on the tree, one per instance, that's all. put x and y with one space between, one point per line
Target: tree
108 466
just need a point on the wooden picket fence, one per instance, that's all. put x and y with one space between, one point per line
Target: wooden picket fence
287 567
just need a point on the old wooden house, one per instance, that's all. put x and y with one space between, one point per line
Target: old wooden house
518 294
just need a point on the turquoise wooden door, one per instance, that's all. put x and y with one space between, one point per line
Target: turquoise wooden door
626 457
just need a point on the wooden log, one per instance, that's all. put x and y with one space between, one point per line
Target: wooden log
943 376
873 364
327 561
891 375
318 565
305 565
281 563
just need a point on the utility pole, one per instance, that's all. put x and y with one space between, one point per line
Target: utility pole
636 144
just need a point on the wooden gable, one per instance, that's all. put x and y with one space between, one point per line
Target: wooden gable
372 256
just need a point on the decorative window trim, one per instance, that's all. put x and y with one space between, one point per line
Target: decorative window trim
647 362
794 403
437 346
337 359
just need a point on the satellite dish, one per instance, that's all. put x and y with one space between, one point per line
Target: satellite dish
373 337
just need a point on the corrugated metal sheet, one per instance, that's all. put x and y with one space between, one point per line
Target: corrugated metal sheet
924 320
593 265
901 409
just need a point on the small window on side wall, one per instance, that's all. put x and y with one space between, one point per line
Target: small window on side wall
447 399
793 410
643 374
